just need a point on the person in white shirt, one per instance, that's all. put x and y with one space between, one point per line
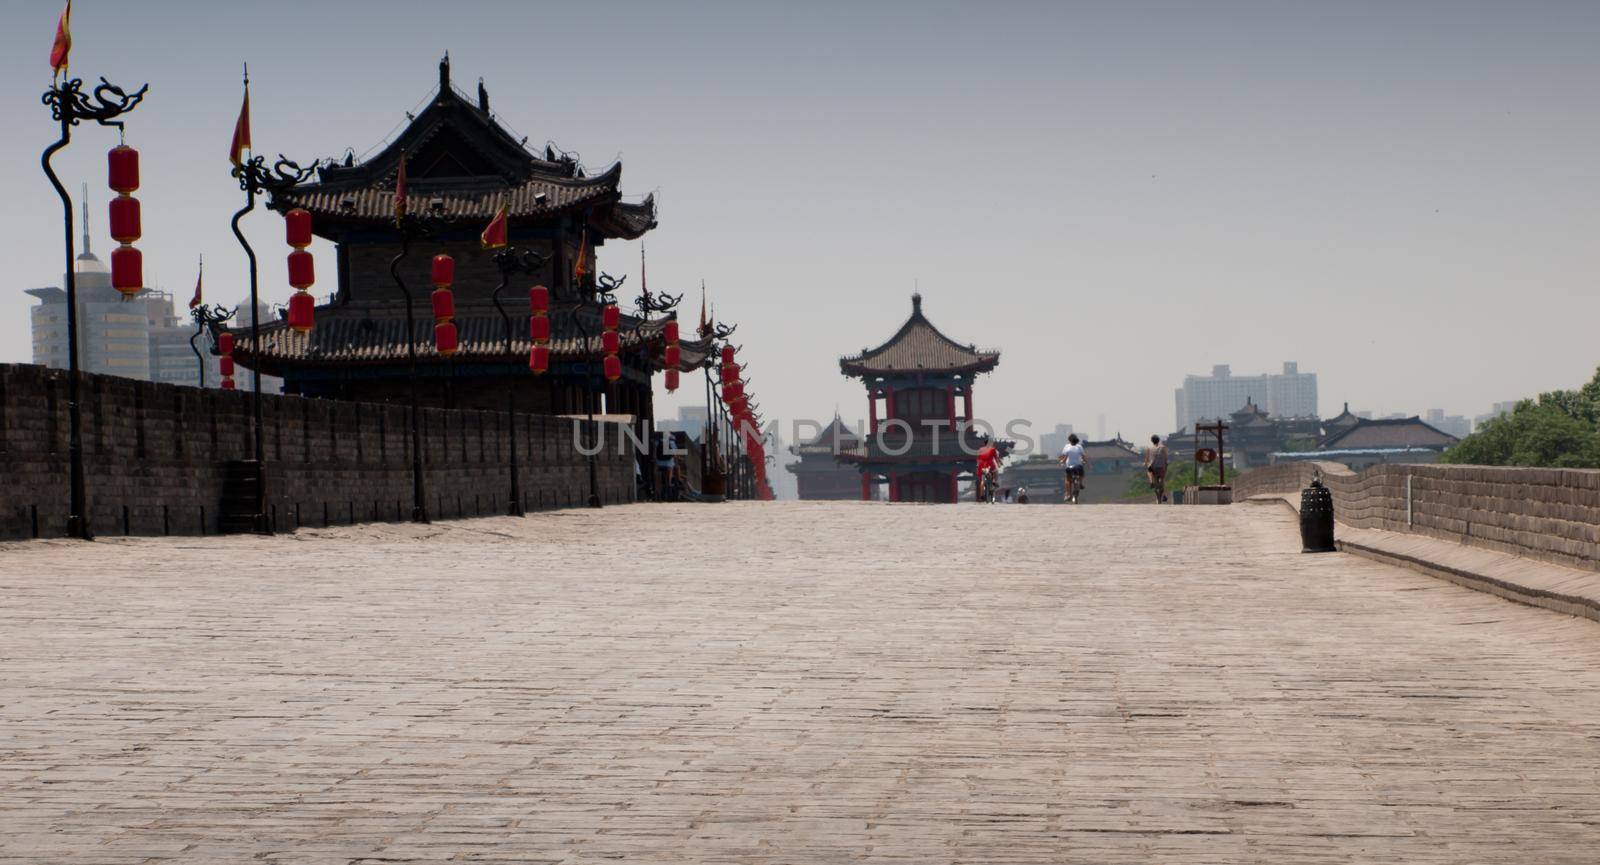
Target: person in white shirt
1076 462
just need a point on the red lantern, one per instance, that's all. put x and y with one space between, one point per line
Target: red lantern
610 317
539 329
672 357
127 270
225 344
444 270
302 313
732 391
227 384
444 337
669 331
672 380
539 359
727 355
444 304
225 366
538 299
297 227
730 372
302 269
610 342
125 227
123 164
613 367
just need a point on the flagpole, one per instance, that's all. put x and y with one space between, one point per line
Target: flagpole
69 105
254 178
509 260
196 312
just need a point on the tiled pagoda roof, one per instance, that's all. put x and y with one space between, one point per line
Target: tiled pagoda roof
1411 432
919 347
368 337
457 154
835 438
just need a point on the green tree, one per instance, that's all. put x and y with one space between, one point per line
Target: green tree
1180 474
1559 430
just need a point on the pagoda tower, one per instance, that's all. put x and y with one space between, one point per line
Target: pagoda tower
922 442
462 163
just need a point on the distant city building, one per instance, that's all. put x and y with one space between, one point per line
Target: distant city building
1291 393
1052 443
140 337
1456 425
1499 408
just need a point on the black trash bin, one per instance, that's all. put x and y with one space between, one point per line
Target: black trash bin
1316 518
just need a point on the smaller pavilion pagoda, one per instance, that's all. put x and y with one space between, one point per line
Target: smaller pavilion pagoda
920 445
819 474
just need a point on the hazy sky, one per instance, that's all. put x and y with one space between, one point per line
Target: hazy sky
1403 197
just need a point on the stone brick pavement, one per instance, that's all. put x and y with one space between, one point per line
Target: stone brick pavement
794 683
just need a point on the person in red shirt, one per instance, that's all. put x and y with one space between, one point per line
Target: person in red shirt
988 460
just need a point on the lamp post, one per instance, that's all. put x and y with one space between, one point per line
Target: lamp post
414 226
509 260
713 332
602 293
205 317
255 178
649 304
69 106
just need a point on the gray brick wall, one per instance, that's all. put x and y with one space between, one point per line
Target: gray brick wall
154 452
1548 514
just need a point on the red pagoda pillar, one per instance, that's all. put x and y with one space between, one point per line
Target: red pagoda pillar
866 487
872 411
950 405
955 494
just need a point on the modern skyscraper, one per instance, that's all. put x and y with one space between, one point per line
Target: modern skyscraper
112 335
139 337
1291 393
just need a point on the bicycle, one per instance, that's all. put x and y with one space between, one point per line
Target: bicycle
1074 484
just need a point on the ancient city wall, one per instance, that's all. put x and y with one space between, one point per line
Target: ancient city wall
154 456
1548 514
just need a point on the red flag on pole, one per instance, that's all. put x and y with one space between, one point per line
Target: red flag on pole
195 301
400 190
63 44
241 127
705 326
494 235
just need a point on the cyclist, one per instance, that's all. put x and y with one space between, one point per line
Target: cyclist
1155 463
988 470
1075 461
